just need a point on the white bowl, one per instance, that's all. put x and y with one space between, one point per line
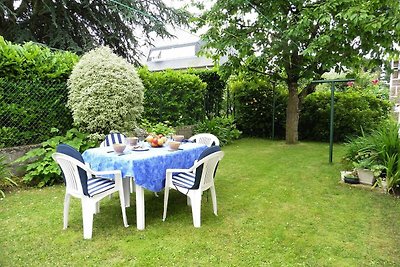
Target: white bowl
119 148
173 145
178 138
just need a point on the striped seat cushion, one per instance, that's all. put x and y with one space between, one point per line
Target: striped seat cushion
183 179
99 185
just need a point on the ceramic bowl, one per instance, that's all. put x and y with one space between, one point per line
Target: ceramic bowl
119 148
132 141
178 138
173 145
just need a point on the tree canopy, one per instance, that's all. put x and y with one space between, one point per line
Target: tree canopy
299 40
79 26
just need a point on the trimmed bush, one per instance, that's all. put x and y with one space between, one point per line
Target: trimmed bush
30 109
215 89
33 62
106 94
32 92
173 96
254 107
354 112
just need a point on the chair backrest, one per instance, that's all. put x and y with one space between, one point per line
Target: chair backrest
75 177
206 139
113 138
207 167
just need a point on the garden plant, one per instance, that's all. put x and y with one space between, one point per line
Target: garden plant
105 93
379 151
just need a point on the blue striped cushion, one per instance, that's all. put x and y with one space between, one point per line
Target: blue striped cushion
99 185
183 179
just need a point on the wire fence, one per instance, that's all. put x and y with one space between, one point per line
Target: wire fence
30 111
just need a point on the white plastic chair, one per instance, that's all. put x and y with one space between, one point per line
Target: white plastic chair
89 190
113 138
206 139
194 181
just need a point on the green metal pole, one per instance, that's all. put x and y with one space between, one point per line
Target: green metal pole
331 126
273 111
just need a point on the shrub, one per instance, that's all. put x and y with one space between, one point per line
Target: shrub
354 111
33 62
254 108
223 128
163 128
380 147
33 92
105 93
43 170
5 177
29 109
214 94
173 96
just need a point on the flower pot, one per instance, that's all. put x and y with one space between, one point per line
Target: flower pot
351 180
343 174
366 176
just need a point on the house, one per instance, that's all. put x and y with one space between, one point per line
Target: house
178 56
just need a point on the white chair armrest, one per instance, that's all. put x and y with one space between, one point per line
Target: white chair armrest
178 170
114 172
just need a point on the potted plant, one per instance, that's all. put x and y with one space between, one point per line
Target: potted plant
351 178
364 171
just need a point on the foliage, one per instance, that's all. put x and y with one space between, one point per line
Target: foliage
79 26
42 170
5 177
34 62
254 104
392 178
33 92
30 109
354 111
163 128
215 89
380 147
298 41
365 82
105 93
223 128
173 96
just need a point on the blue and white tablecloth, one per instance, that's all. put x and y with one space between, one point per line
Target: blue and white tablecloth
147 167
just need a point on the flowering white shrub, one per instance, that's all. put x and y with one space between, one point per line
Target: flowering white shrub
105 93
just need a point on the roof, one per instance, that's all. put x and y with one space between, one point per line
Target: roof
178 56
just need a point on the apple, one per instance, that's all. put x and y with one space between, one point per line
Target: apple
160 141
149 138
154 142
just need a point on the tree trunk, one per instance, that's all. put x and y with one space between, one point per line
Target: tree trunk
292 115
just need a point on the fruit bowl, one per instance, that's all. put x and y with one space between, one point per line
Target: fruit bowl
156 140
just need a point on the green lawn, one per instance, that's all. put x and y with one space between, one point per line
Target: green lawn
279 205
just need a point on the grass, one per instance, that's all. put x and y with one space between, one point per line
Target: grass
279 205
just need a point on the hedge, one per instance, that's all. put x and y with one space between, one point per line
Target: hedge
354 112
215 89
33 92
253 102
173 96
